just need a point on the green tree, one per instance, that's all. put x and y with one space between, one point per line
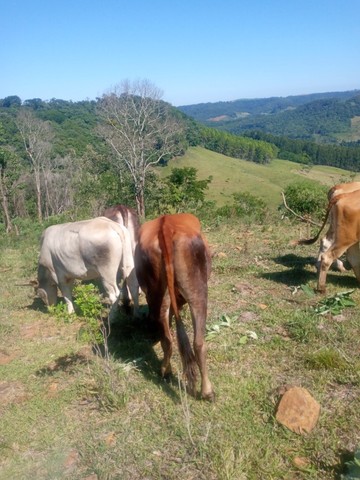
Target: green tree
186 192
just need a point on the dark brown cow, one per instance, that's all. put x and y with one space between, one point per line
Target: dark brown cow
173 264
343 234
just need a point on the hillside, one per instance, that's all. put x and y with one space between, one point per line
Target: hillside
232 175
322 117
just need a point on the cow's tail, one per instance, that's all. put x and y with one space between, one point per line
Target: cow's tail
125 215
186 352
310 241
127 269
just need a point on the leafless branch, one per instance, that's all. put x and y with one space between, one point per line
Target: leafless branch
303 219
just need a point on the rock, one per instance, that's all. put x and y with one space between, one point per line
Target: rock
298 410
301 462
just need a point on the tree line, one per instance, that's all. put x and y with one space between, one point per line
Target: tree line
61 157
76 158
345 156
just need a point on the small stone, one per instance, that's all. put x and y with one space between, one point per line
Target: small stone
301 462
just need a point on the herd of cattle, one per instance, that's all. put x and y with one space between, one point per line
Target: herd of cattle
169 259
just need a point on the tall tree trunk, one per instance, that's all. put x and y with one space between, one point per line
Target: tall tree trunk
139 197
38 196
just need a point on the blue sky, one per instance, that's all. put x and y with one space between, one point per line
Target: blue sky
193 50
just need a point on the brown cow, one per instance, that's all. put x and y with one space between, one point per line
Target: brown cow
173 264
326 241
343 234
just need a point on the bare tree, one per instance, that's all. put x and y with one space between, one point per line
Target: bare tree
37 137
58 178
141 130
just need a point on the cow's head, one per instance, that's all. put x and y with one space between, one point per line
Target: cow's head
45 288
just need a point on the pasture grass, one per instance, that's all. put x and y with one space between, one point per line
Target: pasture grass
68 413
231 175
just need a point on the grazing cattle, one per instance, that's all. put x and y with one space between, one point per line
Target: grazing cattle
343 234
326 241
173 264
125 216
86 250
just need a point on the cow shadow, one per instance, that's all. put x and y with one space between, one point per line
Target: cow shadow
301 270
38 305
133 341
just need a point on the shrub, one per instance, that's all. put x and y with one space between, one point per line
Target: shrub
245 206
306 198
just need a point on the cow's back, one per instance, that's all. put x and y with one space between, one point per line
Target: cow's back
175 226
80 249
341 188
175 242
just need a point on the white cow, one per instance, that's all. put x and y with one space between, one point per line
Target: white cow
86 250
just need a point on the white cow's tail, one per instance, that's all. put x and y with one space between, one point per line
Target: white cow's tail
127 268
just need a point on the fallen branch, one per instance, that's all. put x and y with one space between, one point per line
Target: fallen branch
303 219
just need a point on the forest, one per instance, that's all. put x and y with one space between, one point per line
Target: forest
320 117
59 156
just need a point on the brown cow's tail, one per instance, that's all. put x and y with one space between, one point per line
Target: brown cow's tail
186 353
310 241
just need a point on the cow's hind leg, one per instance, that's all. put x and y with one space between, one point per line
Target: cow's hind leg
327 259
113 293
166 337
198 315
187 357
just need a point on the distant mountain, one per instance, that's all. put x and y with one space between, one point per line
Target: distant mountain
320 116
205 112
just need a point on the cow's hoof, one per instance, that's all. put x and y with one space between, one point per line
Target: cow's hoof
209 397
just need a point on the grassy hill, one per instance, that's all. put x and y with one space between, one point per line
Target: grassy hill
232 175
